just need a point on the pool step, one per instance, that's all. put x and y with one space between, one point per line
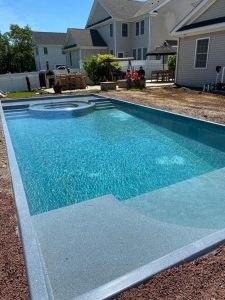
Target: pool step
16 113
188 203
103 104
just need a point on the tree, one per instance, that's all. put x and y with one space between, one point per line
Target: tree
4 53
97 69
172 62
22 56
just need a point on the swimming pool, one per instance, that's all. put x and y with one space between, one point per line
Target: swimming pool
165 171
67 160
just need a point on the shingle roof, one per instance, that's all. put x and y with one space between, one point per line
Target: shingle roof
122 9
203 24
87 37
148 6
48 38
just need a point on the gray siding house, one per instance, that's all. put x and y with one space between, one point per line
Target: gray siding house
128 27
48 47
201 48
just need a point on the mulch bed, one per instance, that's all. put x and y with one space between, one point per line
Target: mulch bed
203 279
13 279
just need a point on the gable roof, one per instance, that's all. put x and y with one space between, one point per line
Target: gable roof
125 9
48 38
149 6
122 9
187 25
203 23
86 38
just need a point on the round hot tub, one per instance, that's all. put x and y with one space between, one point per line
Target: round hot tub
75 107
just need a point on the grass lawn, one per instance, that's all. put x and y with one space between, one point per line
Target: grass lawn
16 95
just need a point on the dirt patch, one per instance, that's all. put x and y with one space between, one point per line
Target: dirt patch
179 100
13 279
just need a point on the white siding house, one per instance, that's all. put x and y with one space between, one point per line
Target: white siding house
48 47
132 28
201 44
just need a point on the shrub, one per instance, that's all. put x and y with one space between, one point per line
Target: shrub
97 69
172 62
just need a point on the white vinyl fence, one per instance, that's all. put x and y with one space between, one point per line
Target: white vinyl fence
17 82
148 66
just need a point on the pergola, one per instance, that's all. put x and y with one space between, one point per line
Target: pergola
119 59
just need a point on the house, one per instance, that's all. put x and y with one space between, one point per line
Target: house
124 28
132 28
48 48
80 44
201 49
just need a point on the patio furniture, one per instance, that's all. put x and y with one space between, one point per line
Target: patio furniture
163 75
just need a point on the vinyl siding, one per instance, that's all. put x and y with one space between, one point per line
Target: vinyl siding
187 75
168 17
215 11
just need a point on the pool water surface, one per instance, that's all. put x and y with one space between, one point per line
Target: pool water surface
68 159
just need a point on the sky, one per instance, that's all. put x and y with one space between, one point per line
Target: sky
45 15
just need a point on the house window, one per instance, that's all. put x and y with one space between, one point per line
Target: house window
45 50
63 51
201 55
37 51
111 30
143 27
137 28
144 53
111 52
120 55
71 62
134 53
124 29
139 54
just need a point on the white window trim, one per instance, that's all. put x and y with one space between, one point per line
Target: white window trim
127 30
120 52
196 44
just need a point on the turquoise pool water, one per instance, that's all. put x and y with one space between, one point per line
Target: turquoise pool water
66 160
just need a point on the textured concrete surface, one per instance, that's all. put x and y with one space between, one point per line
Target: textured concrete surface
92 243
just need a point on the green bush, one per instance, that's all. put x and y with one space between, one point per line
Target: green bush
172 62
97 69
